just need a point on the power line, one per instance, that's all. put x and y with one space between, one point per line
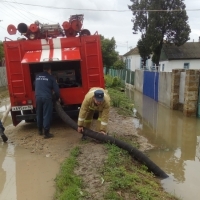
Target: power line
25 10
14 11
98 10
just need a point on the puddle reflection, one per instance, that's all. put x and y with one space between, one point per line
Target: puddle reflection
177 144
24 175
8 178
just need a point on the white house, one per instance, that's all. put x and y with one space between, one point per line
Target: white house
186 56
133 60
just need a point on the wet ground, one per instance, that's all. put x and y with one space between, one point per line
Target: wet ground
24 176
177 144
29 164
28 175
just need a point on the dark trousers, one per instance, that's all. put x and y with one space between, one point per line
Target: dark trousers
2 128
44 109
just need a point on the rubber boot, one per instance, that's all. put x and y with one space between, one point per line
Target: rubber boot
47 134
3 136
40 132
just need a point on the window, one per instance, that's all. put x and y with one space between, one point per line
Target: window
129 64
163 67
186 65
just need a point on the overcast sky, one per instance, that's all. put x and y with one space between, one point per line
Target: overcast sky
107 23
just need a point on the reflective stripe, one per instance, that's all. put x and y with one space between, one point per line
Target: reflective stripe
91 108
104 123
87 121
81 119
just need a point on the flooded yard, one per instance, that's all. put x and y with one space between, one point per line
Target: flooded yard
177 144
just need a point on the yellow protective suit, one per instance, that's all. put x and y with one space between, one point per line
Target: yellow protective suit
88 108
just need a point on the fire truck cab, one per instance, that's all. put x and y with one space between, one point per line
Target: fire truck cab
76 63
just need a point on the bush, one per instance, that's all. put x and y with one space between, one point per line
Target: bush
112 82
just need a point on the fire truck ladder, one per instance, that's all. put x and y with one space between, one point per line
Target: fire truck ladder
16 73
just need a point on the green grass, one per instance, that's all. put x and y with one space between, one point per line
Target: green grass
68 184
126 179
130 179
121 102
118 97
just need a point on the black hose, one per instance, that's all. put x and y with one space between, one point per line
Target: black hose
135 153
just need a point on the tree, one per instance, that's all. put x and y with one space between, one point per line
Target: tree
161 20
144 48
119 64
110 56
1 52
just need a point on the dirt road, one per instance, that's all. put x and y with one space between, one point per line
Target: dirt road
58 148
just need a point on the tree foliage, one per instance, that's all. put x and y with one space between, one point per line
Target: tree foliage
143 46
119 64
159 21
110 56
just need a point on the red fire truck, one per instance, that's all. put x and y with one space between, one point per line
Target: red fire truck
75 57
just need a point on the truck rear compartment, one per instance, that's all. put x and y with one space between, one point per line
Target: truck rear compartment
67 74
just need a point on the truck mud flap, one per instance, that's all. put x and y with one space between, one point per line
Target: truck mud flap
135 153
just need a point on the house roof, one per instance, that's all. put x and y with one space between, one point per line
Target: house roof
134 51
189 50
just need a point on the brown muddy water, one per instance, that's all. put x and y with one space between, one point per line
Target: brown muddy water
24 176
177 144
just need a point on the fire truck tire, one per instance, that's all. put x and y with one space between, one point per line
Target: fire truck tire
135 153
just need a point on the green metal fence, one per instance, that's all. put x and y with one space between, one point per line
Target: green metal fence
126 75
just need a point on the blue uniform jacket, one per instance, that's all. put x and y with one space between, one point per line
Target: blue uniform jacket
45 84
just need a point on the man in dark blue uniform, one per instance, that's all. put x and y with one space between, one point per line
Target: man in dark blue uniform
45 85
3 136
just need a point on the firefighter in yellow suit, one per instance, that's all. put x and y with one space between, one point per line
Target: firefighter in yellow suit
97 99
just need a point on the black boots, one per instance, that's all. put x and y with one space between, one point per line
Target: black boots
40 131
3 136
47 134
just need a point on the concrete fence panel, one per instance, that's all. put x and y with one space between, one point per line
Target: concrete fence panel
138 81
182 87
164 88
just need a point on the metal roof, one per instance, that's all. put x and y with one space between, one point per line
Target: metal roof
134 51
189 50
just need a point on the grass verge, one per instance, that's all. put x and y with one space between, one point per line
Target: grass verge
129 179
68 184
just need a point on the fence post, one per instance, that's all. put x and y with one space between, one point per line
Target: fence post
191 92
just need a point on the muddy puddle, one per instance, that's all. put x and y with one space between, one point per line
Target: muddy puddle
24 175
